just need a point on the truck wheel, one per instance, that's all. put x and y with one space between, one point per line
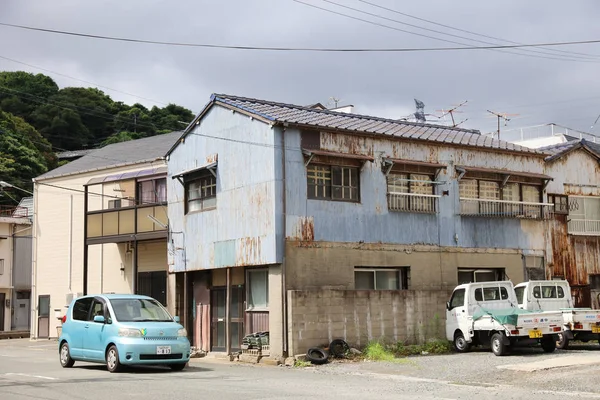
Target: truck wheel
548 344
460 343
497 344
562 342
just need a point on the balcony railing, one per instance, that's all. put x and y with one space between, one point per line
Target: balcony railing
13 212
504 209
413 202
588 227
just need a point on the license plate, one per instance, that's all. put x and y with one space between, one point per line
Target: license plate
535 334
163 349
595 329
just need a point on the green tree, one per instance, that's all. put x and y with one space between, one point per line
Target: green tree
171 118
24 154
62 127
123 136
135 119
22 92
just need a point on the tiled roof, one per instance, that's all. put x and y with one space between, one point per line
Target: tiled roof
27 202
73 153
557 150
326 119
124 153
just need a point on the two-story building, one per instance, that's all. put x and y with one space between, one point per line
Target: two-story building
15 266
313 224
101 226
574 238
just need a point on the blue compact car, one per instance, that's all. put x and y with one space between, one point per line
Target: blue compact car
120 330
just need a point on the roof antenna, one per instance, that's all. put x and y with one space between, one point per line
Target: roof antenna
334 100
503 116
452 111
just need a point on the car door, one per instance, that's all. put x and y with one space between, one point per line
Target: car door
456 314
76 329
93 344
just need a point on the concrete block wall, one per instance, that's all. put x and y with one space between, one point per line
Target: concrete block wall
316 317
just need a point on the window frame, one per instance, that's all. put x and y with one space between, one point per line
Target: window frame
156 198
200 176
329 187
463 291
89 307
403 276
501 189
250 307
552 197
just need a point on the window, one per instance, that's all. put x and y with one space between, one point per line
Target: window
258 289
201 191
398 184
152 191
81 308
381 279
491 294
328 182
1 266
480 275
132 310
561 203
520 291
458 299
492 190
548 292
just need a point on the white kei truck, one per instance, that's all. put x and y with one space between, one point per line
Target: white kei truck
487 314
581 324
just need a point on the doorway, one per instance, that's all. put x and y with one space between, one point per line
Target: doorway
2 299
218 318
44 317
21 319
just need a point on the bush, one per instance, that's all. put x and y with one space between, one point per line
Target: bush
377 351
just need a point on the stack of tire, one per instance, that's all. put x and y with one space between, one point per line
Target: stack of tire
338 348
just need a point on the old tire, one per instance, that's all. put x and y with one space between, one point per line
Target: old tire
497 344
65 356
316 355
548 344
178 366
562 342
339 348
460 343
112 359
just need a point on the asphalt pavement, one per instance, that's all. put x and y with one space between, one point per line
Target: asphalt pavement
31 370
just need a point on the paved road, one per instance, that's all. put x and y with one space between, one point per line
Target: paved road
30 370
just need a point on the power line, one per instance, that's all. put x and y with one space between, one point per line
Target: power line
553 56
466 31
81 80
309 49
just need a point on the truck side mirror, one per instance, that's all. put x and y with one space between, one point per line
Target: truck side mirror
448 305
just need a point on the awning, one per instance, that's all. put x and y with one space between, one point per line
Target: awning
311 153
504 172
128 175
212 167
412 162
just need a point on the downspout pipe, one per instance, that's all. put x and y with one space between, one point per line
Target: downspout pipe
284 310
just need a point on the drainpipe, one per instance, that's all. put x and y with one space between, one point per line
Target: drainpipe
283 277
71 246
33 323
85 245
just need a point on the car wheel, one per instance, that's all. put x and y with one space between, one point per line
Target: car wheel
497 344
178 367
65 356
112 359
562 342
460 343
548 344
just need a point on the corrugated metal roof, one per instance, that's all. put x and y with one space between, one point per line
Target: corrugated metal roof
27 202
326 119
113 155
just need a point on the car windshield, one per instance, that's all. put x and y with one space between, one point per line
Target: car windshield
139 310
519 291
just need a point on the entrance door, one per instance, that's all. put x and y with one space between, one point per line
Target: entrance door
21 319
218 322
43 317
2 298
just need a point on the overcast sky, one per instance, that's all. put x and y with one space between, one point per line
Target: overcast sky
541 90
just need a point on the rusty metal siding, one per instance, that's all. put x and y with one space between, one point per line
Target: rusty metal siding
371 222
241 230
574 257
257 322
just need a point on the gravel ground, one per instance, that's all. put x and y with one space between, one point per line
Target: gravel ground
479 367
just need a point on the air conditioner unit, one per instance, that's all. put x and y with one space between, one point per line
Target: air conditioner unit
114 203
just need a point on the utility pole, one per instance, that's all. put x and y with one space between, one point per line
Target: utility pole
503 116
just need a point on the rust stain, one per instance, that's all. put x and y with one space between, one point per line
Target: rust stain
212 158
249 251
304 230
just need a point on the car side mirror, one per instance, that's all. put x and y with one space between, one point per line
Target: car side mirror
176 319
99 319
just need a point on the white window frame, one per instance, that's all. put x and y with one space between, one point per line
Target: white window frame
403 276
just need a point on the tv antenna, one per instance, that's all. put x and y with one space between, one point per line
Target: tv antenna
452 111
501 116
335 101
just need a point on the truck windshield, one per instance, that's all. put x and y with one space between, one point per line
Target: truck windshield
519 291
139 310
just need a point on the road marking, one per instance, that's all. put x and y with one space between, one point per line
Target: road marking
31 376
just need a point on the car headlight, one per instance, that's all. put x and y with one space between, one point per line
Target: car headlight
130 332
182 332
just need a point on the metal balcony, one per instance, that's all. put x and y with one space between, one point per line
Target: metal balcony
413 202
505 209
